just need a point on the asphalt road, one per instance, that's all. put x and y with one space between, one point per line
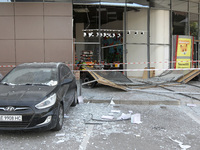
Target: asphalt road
162 128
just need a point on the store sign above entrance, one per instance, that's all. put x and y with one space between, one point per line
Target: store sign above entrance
103 33
184 51
109 33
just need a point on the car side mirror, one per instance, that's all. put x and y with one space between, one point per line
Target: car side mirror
67 81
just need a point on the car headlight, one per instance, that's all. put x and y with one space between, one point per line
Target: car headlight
48 102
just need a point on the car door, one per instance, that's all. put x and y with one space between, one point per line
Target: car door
67 89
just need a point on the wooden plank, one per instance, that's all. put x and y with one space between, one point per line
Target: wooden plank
152 73
104 81
186 78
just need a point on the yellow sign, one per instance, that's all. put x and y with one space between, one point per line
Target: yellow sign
184 47
183 63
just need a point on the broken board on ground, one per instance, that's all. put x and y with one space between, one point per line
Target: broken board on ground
189 76
114 79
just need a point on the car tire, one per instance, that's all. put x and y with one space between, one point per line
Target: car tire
60 118
75 101
86 78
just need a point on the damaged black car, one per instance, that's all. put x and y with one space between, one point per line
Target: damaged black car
36 96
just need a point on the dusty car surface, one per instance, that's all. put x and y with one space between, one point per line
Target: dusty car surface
36 96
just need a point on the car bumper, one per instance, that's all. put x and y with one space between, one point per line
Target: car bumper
43 120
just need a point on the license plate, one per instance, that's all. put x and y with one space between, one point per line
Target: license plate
16 118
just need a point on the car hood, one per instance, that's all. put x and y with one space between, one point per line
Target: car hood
23 95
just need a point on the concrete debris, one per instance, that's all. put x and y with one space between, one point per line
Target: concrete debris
163 107
112 102
115 111
65 116
130 111
60 134
124 116
60 141
107 117
191 105
137 135
80 99
136 118
183 147
111 114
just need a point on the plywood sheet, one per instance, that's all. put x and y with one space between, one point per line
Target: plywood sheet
189 76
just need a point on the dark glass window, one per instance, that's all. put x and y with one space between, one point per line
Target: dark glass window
180 23
65 72
194 25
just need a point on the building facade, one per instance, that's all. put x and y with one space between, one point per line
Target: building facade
131 32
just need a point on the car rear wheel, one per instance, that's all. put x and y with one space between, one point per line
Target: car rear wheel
60 118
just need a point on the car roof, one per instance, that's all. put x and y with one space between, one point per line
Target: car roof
40 65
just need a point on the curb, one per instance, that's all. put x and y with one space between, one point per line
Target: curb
135 102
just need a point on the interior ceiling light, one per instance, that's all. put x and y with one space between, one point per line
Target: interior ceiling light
81 10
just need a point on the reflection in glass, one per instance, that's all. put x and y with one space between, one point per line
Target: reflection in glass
180 5
180 22
5 1
86 21
112 33
194 25
193 7
160 4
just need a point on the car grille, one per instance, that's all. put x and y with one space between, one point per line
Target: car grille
26 112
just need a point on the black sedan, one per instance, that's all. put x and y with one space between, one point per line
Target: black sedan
36 96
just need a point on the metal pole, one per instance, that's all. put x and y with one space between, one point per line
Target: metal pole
198 45
148 39
99 31
170 37
124 41
188 23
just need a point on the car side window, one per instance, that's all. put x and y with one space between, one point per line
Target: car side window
65 72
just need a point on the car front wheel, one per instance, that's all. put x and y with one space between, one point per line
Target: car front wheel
60 118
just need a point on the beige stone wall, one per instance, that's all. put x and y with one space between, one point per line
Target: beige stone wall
35 32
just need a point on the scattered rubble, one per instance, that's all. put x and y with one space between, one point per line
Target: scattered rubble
183 147
80 99
192 105
136 118
118 80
